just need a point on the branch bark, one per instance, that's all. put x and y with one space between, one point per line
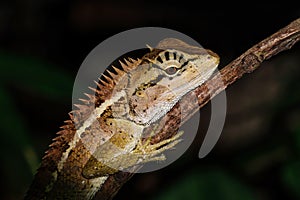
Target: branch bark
249 61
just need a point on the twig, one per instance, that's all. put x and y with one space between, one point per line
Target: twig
282 40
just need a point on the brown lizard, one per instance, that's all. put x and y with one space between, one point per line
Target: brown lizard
106 133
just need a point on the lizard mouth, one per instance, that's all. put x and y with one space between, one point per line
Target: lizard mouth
192 84
178 93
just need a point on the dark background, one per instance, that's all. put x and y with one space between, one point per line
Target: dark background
43 43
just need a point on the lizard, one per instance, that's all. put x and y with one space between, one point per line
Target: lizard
105 134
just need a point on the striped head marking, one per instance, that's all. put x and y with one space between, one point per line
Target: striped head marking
170 74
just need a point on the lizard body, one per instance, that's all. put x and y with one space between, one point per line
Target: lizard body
105 134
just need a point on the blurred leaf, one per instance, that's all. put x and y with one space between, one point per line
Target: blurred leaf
33 75
36 75
14 145
211 184
291 172
291 177
297 139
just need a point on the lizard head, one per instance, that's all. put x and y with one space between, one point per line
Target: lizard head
170 71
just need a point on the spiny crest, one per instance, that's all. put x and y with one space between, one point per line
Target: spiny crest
118 71
130 64
114 76
107 83
103 90
103 82
60 142
84 101
109 80
149 47
81 106
90 98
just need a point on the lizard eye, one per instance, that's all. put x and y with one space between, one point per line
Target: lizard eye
171 70
140 93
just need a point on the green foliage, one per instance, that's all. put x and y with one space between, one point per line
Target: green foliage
291 177
211 184
35 77
291 171
297 139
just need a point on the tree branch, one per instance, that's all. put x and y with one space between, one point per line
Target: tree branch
282 40
249 61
